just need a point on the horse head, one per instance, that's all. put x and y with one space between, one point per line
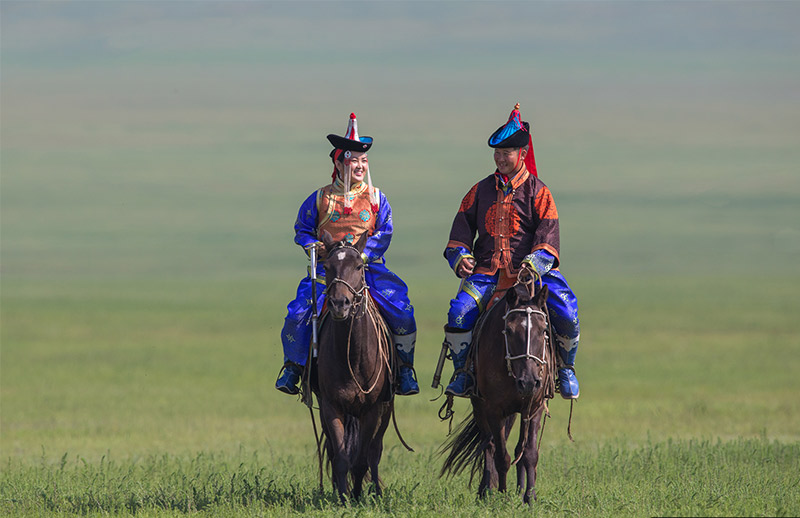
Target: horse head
344 275
525 336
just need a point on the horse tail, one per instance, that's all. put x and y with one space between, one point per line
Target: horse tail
465 449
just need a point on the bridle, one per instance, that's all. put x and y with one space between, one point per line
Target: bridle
527 415
358 294
360 306
528 345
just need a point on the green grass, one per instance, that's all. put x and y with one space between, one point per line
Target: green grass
745 477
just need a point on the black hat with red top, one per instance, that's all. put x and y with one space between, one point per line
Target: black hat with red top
351 141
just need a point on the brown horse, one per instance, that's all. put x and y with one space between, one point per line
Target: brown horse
514 370
353 372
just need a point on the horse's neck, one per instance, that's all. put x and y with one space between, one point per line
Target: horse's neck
488 318
354 333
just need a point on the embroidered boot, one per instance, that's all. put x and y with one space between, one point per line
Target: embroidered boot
462 382
289 378
567 381
406 378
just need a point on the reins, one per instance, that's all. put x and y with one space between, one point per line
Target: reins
378 324
381 331
383 354
528 277
552 365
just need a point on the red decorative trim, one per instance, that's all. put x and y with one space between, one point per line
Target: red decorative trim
469 199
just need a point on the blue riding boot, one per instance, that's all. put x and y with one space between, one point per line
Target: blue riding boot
462 383
406 378
567 381
289 378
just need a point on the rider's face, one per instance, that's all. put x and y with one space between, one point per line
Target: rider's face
509 159
358 166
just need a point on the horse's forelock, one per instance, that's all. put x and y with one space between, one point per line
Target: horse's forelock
341 252
342 263
519 295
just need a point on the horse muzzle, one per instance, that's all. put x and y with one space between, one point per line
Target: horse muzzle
340 307
527 385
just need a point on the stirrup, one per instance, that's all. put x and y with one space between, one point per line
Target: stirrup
469 384
289 379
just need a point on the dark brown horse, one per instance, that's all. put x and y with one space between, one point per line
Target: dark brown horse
353 372
514 365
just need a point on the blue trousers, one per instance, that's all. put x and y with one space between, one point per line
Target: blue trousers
478 289
388 290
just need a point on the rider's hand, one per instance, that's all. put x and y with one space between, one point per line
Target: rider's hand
322 253
465 267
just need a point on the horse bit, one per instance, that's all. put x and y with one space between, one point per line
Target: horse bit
527 356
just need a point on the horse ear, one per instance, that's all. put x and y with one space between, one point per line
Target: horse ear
362 242
541 298
327 239
514 295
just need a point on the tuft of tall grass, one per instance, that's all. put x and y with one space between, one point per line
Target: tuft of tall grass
744 477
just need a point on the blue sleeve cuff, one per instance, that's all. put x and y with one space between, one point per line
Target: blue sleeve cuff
541 261
455 255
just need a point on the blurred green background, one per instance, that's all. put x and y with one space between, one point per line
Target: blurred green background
154 155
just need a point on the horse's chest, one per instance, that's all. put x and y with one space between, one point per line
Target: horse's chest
350 388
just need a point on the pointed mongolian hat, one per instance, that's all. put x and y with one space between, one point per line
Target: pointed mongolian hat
345 145
515 133
351 141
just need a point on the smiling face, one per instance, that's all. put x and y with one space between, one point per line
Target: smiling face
509 160
358 164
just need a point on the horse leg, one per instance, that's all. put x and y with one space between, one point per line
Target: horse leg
357 473
502 460
368 450
530 457
375 450
521 471
489 478
335 429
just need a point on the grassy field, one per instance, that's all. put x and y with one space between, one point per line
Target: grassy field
157 398
676 478
151 174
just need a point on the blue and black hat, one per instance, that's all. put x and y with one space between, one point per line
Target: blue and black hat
514 133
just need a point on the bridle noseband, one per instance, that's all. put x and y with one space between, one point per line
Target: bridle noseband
527 356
